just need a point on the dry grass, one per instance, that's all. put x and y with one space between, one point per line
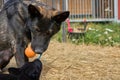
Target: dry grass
64 61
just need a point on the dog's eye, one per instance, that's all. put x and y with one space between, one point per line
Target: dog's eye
47 33
38 30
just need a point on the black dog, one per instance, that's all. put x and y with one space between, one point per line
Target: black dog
29 71
21 23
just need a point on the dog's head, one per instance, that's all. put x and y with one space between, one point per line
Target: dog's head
29 71
43 24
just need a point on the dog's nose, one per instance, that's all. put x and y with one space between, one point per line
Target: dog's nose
39 51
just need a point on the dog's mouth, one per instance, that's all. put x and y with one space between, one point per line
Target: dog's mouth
38 51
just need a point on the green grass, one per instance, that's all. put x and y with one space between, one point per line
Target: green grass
105 34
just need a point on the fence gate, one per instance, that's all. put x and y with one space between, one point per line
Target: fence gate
92 10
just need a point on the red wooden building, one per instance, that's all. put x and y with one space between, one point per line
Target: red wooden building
119 9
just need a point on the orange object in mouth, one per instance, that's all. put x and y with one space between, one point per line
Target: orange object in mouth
29 52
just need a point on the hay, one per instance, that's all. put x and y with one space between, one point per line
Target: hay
64 61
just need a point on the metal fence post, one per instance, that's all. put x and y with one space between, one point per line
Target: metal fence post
115 10
64 7
63 32
93 8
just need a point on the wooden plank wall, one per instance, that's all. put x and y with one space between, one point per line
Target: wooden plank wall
74 6
80 6
1 3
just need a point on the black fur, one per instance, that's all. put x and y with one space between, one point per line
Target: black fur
29 71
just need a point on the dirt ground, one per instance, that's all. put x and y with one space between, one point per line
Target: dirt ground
65 61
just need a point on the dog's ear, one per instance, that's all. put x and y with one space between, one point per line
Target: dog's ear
15 71
61 16
34 11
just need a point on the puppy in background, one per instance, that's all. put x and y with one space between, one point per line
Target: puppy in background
29 71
